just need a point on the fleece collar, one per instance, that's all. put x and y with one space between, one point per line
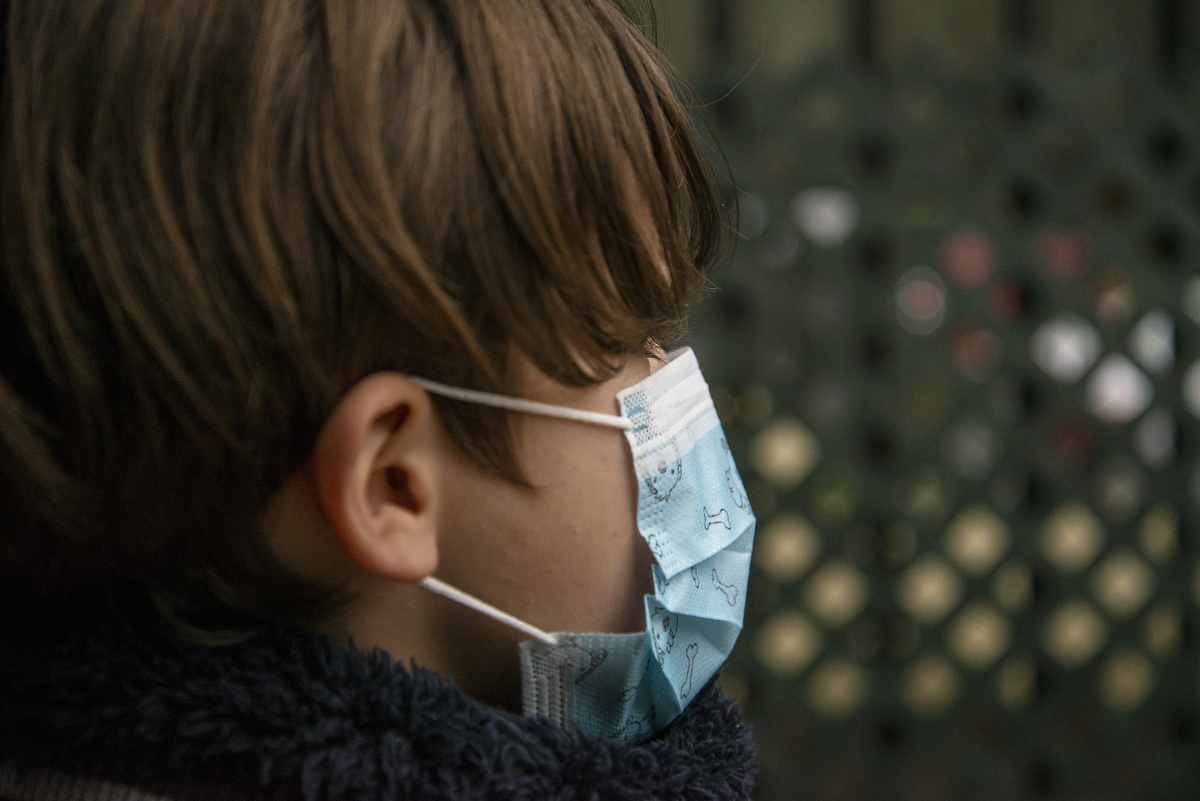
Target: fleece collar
295 715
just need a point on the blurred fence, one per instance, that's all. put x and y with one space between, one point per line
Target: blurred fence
958 354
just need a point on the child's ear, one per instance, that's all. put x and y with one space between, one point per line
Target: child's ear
375 465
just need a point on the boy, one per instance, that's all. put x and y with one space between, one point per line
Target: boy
253 252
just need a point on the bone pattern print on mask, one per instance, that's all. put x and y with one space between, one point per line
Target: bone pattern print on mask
691 652
720 518
730 591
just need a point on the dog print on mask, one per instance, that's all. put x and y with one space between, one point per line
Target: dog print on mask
664 626
664 477
656 547
661 582
588 659
734 480
636 729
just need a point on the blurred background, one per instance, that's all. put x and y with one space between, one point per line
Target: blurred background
958 355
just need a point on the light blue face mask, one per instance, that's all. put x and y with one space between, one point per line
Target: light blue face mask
693 513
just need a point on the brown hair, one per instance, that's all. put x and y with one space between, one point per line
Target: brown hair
216 216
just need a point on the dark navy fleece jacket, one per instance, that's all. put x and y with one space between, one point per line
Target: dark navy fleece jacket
294 715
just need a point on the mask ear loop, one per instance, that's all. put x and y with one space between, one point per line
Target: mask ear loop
523 405
446 591
517 405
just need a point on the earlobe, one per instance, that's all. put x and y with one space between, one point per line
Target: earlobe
375 468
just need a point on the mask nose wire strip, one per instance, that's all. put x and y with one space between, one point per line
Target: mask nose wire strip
523 405
446 591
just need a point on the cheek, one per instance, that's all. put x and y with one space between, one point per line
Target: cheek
591 558
565 555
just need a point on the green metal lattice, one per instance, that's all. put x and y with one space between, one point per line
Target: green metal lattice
957 354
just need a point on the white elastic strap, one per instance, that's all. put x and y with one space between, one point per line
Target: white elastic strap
446 591
523 405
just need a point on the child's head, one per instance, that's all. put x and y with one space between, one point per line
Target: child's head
219 217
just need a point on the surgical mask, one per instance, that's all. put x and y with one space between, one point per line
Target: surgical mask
693 513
